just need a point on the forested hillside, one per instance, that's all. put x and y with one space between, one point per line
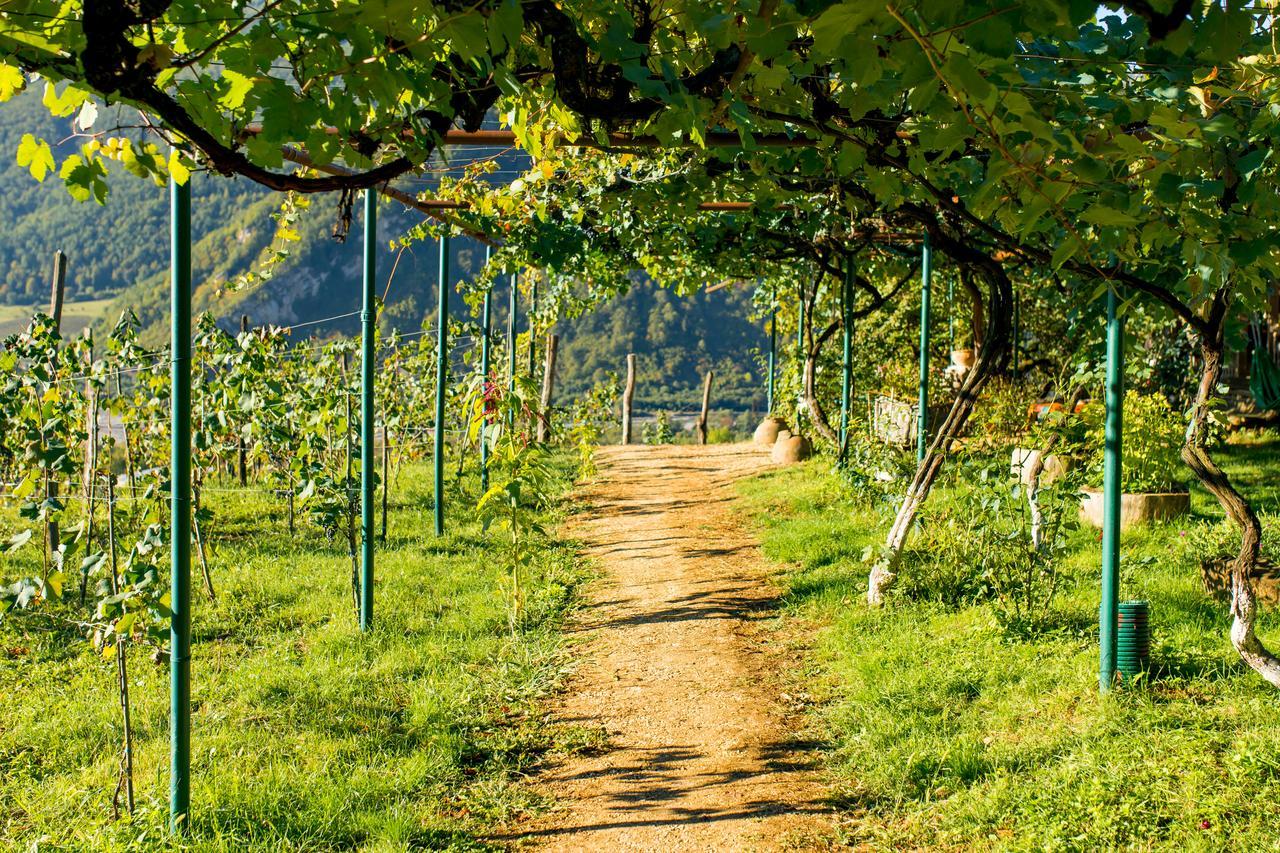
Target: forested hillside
676 339
120 252
109 247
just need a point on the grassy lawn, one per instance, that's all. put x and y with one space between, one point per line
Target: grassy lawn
947 731
307 735
75 315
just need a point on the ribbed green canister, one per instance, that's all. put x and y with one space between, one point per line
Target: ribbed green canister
1133 638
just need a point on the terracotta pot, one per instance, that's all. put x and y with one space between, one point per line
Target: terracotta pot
767 433
1137 507
790 449
1023 458
963 358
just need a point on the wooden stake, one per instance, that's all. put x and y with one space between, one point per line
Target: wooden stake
90 463
58 287
59 282
628 394
706 405
548 381
240 448
122 669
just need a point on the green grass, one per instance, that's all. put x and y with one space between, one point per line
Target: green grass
76 316
945 732
307 735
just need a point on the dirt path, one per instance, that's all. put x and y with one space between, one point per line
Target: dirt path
678 673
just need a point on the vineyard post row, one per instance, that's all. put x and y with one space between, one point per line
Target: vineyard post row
180 455
1113 452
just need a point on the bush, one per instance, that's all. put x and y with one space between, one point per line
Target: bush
1000 418
719 435
988 543
659 432
873 471
1153 437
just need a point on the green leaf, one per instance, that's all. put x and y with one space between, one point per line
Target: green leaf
240 87
961 73
36 156
66 103
1100 214
837 23
84 179
1064 252
11 81
178 168
17 541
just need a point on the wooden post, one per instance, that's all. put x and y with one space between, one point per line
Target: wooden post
58 287
548 381
706 404
240 448
628 394
386 469
90 459
59 283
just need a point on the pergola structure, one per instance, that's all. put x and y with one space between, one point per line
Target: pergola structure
440 210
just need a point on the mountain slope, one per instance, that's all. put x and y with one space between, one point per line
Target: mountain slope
121 251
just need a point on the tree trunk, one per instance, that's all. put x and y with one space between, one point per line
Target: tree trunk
991 361
1244 605
979 327
548 385
1037 468
706 405
818 414
628 395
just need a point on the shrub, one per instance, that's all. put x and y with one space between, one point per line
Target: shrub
989 544
1153 437
1001 416
719 435
659 432
873 471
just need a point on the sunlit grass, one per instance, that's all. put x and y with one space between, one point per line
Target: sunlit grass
307 735
945 731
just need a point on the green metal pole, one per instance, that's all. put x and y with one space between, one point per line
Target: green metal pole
484 374
180 507
922 416
846 380
951 311
800 327
1017 333
533 326
511 340
773 354
368 316
1111 466
442 377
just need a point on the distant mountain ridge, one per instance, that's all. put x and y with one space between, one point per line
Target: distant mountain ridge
121 251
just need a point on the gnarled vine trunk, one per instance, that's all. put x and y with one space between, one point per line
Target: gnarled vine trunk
818 414
991 361
1244 605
